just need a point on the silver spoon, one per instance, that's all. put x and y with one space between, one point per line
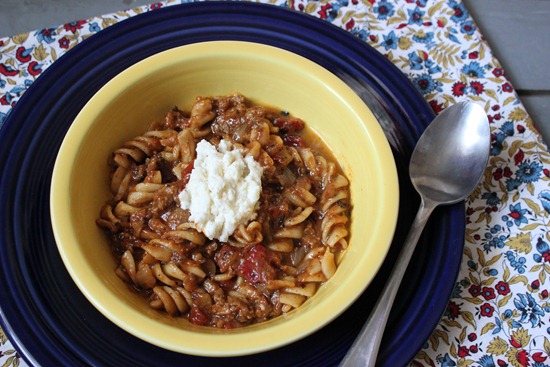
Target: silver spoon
446 165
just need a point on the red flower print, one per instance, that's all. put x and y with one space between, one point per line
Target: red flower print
350 24
515 215
488 293
501 363
324 11
458 12
508 172
436 107
539 358
477 87
544 294
498 72
521 129
156 6
502 288
4 100
463 352
34 68
8 70
493 118
453 310
475 290
22 54
523 358
458 89
497 175
514 342
473 55
74 26
518 157
64 42
535 284
487 310
472 337
507 87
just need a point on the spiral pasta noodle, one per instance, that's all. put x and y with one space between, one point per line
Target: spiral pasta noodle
269 265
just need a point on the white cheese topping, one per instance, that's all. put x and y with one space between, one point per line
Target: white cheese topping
223 189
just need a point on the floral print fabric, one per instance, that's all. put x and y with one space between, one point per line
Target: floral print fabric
499 311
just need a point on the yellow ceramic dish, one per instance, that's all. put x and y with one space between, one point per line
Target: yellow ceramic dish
126 106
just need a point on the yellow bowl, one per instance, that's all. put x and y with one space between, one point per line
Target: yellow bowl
125 107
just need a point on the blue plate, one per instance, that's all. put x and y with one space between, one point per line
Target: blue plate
47 318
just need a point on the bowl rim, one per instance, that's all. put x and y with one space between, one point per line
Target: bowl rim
251 339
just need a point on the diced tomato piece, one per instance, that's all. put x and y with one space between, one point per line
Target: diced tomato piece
197 317
186 174
256 266
288 125
294 140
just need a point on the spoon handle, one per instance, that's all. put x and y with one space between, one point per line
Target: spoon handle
364 350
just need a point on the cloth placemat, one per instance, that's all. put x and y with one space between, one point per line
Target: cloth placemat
499 309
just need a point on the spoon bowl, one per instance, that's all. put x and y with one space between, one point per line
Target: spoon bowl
448 159
445 167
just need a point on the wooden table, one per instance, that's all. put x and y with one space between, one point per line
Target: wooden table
519 35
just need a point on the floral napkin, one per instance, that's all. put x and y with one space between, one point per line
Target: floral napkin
499 311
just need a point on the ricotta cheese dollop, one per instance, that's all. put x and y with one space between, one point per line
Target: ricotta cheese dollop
223 189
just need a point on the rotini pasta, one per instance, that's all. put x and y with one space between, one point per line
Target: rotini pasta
269 265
